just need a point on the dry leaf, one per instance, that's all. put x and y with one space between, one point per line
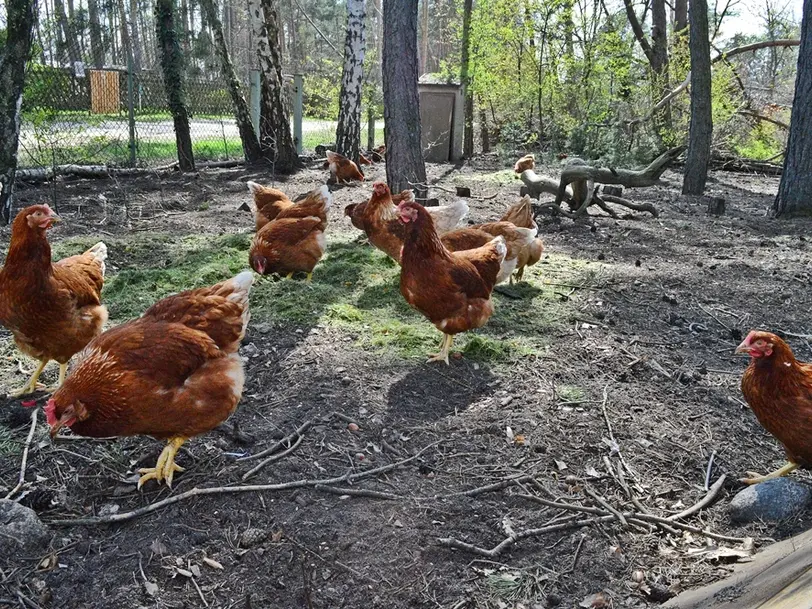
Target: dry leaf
509 433
560 465
150 588
213 563
156 547
519 440
183 572
596 601
195 570
592 472
276 536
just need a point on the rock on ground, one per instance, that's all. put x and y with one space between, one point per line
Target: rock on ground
770 501
20 529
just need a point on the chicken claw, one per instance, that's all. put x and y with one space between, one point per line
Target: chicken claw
166 467
32 385
755 478
63 372
445 346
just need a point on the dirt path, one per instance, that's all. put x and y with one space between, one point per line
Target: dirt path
630 323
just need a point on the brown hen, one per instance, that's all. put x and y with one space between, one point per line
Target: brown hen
53 310
452 289
778 389
174 373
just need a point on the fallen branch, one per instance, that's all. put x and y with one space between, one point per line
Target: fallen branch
761 117
228 490
702 503
357 492
272 458
24 463
283 442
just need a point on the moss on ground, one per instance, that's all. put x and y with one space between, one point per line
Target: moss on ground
355 288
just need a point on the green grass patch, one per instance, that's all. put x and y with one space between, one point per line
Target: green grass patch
355 288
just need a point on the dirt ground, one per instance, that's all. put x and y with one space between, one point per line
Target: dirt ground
608 375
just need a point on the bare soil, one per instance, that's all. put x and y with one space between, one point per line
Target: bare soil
643 343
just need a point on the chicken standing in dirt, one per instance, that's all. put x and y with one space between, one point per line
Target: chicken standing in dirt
452 289
174 373
778 388
53 310
294 241
268 203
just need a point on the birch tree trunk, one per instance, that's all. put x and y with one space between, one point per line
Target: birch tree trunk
465 78
796 180
250 143
348 131
173 73
275 139
20 23
701 129
405 167
96 44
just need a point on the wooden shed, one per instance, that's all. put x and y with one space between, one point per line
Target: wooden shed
441 119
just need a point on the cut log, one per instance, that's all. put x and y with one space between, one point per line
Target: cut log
613 191
463 191
716 206
779 577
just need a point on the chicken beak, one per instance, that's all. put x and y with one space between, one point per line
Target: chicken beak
56 427
742 349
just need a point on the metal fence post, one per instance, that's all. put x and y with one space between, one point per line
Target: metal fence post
255 96
370 129
131 108
298 95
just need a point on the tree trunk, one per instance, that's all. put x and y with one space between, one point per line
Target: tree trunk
250 143
659 56
72 37
63 41
348 131
401 103
276 140
185 31
424 37
701 130
135 38
173 72
483 129
20 23
680 16
467 82
96 44
796 180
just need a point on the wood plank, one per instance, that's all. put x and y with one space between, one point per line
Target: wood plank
779 577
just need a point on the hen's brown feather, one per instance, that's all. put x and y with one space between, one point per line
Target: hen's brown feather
778 389
163 374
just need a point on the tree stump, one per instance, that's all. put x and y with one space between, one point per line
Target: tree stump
463 191
716 206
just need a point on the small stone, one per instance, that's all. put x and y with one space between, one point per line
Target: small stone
21 531
770 501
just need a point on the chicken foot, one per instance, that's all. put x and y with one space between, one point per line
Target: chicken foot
788 467
445 347
166 467
32 385
63 372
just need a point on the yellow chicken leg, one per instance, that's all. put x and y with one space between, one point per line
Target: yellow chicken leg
166 467
31 386
782 471
309 276
63 372
445 346
289 275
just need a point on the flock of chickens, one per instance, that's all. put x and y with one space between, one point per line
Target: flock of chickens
175 372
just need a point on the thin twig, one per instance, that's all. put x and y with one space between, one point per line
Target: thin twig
24 463
611 433
473 492
227 490
272 458
605 504
702 503
709 469
199 592
357 492
283 442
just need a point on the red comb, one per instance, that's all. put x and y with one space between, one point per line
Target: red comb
29 403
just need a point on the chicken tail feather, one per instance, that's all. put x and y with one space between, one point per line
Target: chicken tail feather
99 253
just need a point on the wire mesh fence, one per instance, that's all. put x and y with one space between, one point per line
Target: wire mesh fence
118 118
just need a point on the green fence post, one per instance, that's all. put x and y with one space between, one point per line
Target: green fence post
131 108
255 98
298 94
